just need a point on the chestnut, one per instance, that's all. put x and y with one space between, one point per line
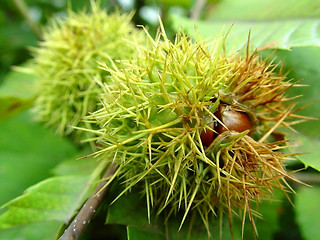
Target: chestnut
232 119
207 136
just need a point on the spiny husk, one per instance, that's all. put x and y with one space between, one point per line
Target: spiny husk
156 106
67 64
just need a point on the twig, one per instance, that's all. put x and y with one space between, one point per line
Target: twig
79 223
199 5
23 9
308 178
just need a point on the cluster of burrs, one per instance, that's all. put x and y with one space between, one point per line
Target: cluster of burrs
67 65
195 129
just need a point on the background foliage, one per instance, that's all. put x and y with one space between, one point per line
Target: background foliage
34 158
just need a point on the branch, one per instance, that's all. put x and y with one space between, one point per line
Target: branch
308 178
23 9
196 11
79 223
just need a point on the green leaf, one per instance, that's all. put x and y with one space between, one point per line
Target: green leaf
307 212
130 210
278 34
52 199
309 146
265 9
10 106
277 24
55 198
28 152
18 84
268 223
181 3
147 233
302 64
288 15
16 93
76 166
44 230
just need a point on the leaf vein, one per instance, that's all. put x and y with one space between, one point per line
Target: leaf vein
265 37
314 32
287 37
